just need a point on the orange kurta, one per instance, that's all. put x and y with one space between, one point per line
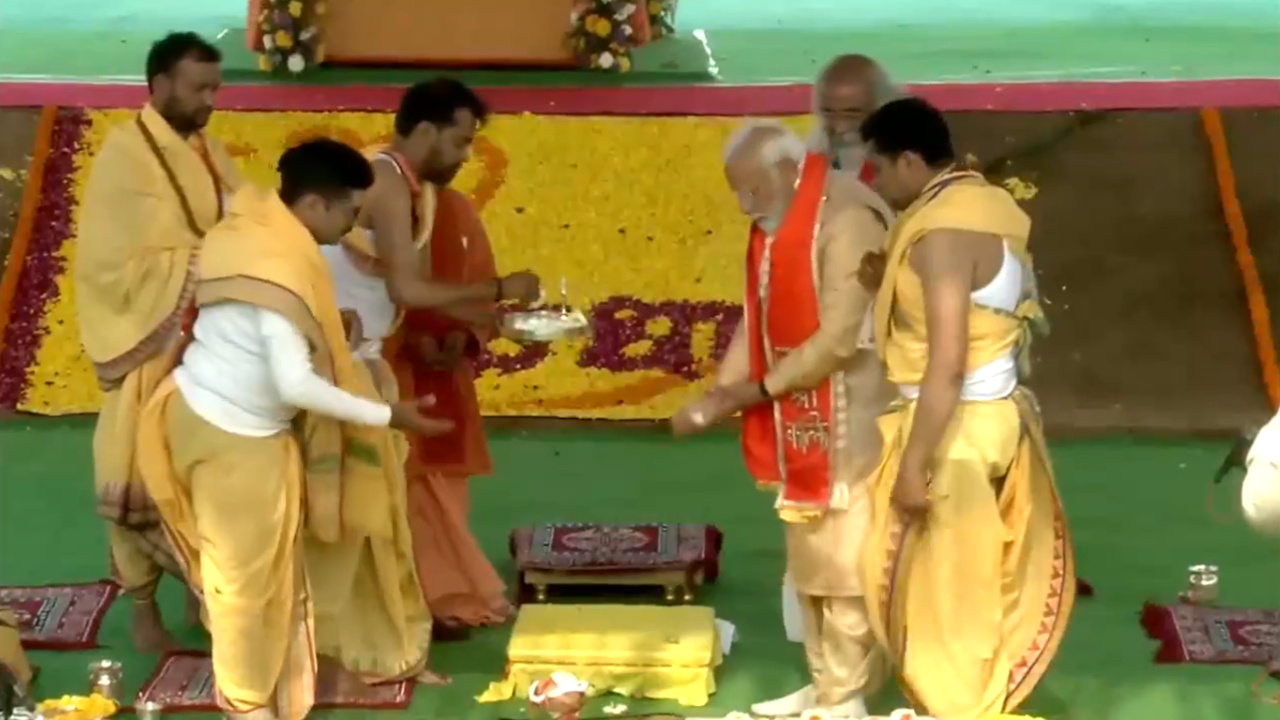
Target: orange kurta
459 582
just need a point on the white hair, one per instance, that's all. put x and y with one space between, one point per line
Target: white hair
883 92
778 143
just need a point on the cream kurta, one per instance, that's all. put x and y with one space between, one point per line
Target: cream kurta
823 555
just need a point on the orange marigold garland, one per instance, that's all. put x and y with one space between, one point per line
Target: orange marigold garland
601 34
291 35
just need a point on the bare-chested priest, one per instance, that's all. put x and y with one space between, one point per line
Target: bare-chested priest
802 371
155 188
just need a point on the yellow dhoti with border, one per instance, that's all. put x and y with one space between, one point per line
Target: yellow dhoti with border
972 601
233 507
247 556
370 612
150 197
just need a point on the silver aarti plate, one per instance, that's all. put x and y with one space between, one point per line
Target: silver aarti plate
547 325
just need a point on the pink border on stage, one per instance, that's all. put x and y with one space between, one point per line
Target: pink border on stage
686 99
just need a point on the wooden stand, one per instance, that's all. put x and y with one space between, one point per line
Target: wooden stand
677 585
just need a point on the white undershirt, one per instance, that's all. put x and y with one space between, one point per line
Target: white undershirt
364 293
998 378
248 371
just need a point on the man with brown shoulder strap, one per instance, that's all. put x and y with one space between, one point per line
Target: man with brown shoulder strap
154 189
802 371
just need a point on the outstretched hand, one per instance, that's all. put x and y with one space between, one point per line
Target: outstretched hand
407 416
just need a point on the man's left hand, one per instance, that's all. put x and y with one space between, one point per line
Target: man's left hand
454 348
353 327
716 405
911 492
739 396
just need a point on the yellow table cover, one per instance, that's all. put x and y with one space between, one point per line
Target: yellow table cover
644 651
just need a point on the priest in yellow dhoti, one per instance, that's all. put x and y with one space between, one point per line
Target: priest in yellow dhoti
970 576
802 370
154 189
263 423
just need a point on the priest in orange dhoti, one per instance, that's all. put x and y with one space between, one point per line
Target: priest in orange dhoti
436 355
802 370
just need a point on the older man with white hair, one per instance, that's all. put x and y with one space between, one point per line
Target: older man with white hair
802 372
849 89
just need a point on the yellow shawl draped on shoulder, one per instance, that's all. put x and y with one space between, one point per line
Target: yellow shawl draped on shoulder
263 256
360 240
150 198
954 201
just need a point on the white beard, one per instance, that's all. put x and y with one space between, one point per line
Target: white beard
850 157
769 225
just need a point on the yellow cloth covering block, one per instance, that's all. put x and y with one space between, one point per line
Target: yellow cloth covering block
642 651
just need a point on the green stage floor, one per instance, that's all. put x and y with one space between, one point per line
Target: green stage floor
1137 512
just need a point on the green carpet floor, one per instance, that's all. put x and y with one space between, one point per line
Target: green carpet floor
1136 508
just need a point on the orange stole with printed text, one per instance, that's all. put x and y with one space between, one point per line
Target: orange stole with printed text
786 442
459 253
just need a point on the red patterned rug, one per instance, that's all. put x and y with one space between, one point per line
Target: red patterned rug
60 617
603 548
1214 635
183 682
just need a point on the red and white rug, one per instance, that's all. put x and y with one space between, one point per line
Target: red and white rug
183 682
1214 635
60 617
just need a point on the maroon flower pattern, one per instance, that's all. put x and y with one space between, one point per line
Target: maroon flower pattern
44 264
621 321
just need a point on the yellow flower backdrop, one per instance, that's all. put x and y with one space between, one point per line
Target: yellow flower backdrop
632 212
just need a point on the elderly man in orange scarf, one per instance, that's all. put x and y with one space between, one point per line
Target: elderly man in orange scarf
802 371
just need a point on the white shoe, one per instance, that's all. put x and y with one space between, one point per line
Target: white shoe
852 709
791 705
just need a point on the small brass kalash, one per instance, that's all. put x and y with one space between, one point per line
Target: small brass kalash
542 324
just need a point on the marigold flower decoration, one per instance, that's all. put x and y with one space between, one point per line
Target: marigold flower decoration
600 34
662 17
291 35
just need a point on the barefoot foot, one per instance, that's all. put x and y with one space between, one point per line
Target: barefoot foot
146 628
426 677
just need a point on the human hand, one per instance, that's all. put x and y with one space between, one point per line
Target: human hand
911 492
871 270
455 346
430 352
716 405
480 317
407 416
353 327
695 417
522 286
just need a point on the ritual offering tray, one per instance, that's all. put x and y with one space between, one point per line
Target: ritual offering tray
541 323
650 651
545 325
678 558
